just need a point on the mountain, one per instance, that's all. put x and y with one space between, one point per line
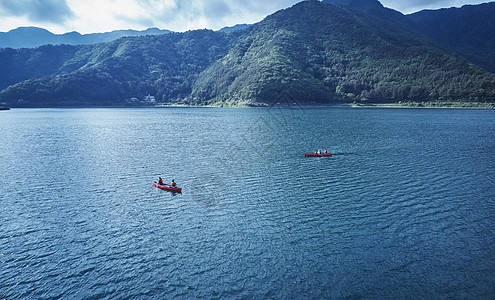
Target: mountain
312 52
24 64
321 53
468 30
110 73
32 37
364 5
235 27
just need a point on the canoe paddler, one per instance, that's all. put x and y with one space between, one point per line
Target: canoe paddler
160 181
173 183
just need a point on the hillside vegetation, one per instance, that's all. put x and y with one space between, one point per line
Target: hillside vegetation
469 30
322 53
317 53
110 73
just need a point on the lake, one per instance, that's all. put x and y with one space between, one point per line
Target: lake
405 208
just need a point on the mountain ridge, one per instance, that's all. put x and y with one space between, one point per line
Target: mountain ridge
365 5
322 81
33 37
469 30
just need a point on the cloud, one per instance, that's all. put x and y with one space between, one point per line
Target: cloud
217 9
88 16
214 14
45 11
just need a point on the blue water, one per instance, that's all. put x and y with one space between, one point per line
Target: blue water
404 209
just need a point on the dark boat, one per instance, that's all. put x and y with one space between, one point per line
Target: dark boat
318 154
167 187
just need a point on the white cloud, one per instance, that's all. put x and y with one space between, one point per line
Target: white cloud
178 15
49 11
101 16
17 13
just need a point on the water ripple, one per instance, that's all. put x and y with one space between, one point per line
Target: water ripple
402 210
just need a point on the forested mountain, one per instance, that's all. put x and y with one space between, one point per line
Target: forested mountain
32 37
469 30
315 52
110 73
364 5
325 53
235 27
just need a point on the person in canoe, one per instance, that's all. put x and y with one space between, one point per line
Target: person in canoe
160 181
173 183
325 151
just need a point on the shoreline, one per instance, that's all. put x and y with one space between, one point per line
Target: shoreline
347 105
466 105
462 105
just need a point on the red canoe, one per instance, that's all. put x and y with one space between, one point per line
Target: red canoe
167 187
317 155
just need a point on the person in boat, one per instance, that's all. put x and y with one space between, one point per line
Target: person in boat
160 181
173 183
319 151
325 151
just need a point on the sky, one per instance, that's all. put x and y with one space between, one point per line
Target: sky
90 16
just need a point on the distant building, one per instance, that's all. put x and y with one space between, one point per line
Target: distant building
149 98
